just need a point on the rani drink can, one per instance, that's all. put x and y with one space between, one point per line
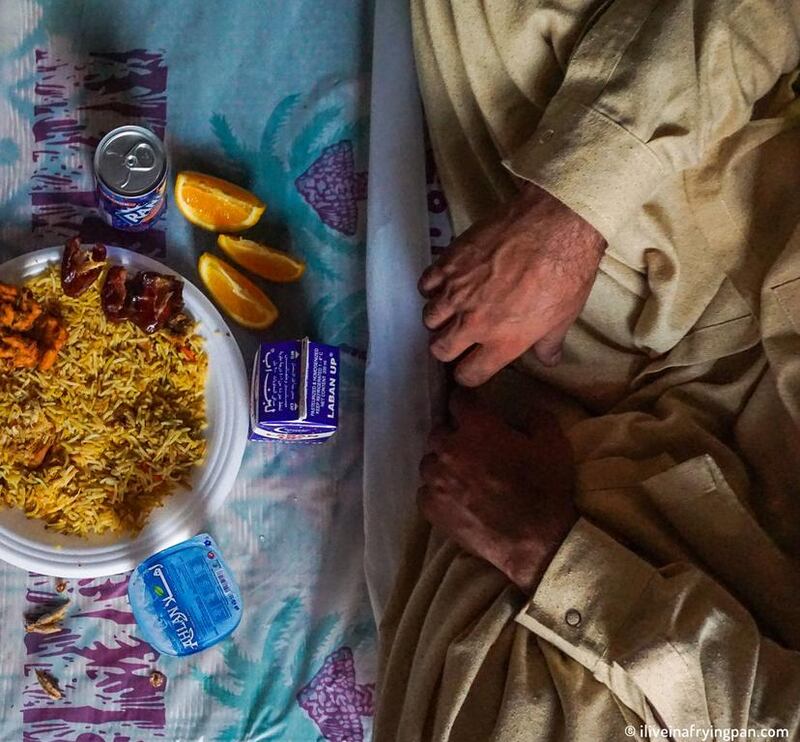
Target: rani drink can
130 169
294 394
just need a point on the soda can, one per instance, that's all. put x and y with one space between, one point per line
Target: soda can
130 168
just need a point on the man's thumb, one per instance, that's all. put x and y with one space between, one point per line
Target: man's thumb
549 348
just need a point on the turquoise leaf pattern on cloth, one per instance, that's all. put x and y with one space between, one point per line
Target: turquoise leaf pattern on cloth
261 688
274 174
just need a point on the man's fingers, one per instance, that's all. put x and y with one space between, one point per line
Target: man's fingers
430 504
431 279
438 507
549 348
437 312
482 363
453 339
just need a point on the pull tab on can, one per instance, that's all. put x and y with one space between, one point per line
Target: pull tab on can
130 166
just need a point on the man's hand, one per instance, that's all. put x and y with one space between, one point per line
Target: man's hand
501 495
516 280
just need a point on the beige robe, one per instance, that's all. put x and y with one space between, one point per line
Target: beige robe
670 125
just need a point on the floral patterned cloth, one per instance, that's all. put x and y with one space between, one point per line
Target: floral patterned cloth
272 95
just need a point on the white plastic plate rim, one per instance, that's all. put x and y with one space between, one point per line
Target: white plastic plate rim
27 544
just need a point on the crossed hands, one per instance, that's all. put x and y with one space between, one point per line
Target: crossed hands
517 280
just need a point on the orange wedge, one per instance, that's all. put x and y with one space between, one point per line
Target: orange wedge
238 296
274 265
216 204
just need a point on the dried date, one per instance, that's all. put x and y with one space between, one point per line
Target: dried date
154 299
148 299
80 267
114 294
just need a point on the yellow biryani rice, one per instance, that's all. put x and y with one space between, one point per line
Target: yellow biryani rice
126 412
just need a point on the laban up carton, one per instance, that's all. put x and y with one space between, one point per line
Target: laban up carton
295 391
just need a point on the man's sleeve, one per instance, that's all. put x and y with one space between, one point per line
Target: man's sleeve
650 89
670 643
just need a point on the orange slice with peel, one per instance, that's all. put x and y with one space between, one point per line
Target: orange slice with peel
238 296
274 265
215 204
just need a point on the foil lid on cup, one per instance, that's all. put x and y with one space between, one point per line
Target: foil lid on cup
184 598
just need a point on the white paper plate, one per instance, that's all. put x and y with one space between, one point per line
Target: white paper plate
26 543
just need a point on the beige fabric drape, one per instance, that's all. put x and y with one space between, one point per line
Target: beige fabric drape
673 128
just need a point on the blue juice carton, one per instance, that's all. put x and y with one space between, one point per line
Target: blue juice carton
184 598
294 394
